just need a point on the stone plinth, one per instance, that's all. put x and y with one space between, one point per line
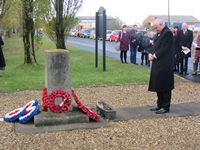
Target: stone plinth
50 118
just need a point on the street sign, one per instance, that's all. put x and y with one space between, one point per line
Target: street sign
101 23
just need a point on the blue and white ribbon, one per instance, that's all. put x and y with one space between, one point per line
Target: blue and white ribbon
30 112
2 120
31 103
15 114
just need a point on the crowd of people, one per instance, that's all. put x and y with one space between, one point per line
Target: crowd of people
130 39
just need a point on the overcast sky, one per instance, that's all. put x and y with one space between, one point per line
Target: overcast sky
135 11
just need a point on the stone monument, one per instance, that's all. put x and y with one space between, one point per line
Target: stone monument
57 73
57 76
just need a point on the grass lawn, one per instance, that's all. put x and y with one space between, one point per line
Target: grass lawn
18 76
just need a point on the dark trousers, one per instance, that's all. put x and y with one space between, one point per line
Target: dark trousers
133 53
184 64
176 63
164 99
144 55
123 55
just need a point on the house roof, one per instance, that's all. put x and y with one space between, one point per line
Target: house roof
176 18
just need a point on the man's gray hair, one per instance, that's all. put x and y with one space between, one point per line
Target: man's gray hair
159 21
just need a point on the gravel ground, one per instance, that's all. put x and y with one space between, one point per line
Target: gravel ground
148 134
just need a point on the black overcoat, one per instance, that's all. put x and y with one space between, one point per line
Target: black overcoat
162 75
2 60
185 40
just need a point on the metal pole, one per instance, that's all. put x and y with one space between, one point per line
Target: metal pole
96 40
104 40
168 13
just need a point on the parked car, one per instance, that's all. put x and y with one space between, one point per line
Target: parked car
92 34
114 35
85 33
72 32
108 33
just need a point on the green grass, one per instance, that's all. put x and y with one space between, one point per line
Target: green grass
18 76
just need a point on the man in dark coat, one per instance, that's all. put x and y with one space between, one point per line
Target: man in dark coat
162 76
185 39
133 44
2 60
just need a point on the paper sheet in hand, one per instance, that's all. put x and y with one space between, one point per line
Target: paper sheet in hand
185 50
195 45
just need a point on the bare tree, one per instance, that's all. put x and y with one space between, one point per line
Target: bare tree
117 24
60 17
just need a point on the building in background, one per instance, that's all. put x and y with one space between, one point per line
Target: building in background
87 22
174 20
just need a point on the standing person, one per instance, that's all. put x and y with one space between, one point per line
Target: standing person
124 39
150 46
133 44
196 53
2 60
162 75
185 38
177 54
145 42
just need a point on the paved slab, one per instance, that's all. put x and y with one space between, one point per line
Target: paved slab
31 128
123 114
177 110
192 78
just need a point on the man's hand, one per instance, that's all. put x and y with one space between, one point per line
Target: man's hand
151 57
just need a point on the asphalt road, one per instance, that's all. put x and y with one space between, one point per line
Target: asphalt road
89 45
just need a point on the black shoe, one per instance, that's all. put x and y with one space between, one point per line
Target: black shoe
186 73
155 109
162 111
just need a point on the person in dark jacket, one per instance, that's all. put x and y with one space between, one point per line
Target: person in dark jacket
162 75
177 54
2 60
185 39
133 44
144 48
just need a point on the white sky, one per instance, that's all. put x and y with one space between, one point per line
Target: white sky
135 11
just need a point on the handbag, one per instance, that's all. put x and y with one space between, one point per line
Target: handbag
117 47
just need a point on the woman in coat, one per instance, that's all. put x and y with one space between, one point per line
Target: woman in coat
2 60
124 39
162 76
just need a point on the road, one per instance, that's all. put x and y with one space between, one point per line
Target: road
89 45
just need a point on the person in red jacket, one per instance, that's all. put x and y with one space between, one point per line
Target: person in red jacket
124 40
196 54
